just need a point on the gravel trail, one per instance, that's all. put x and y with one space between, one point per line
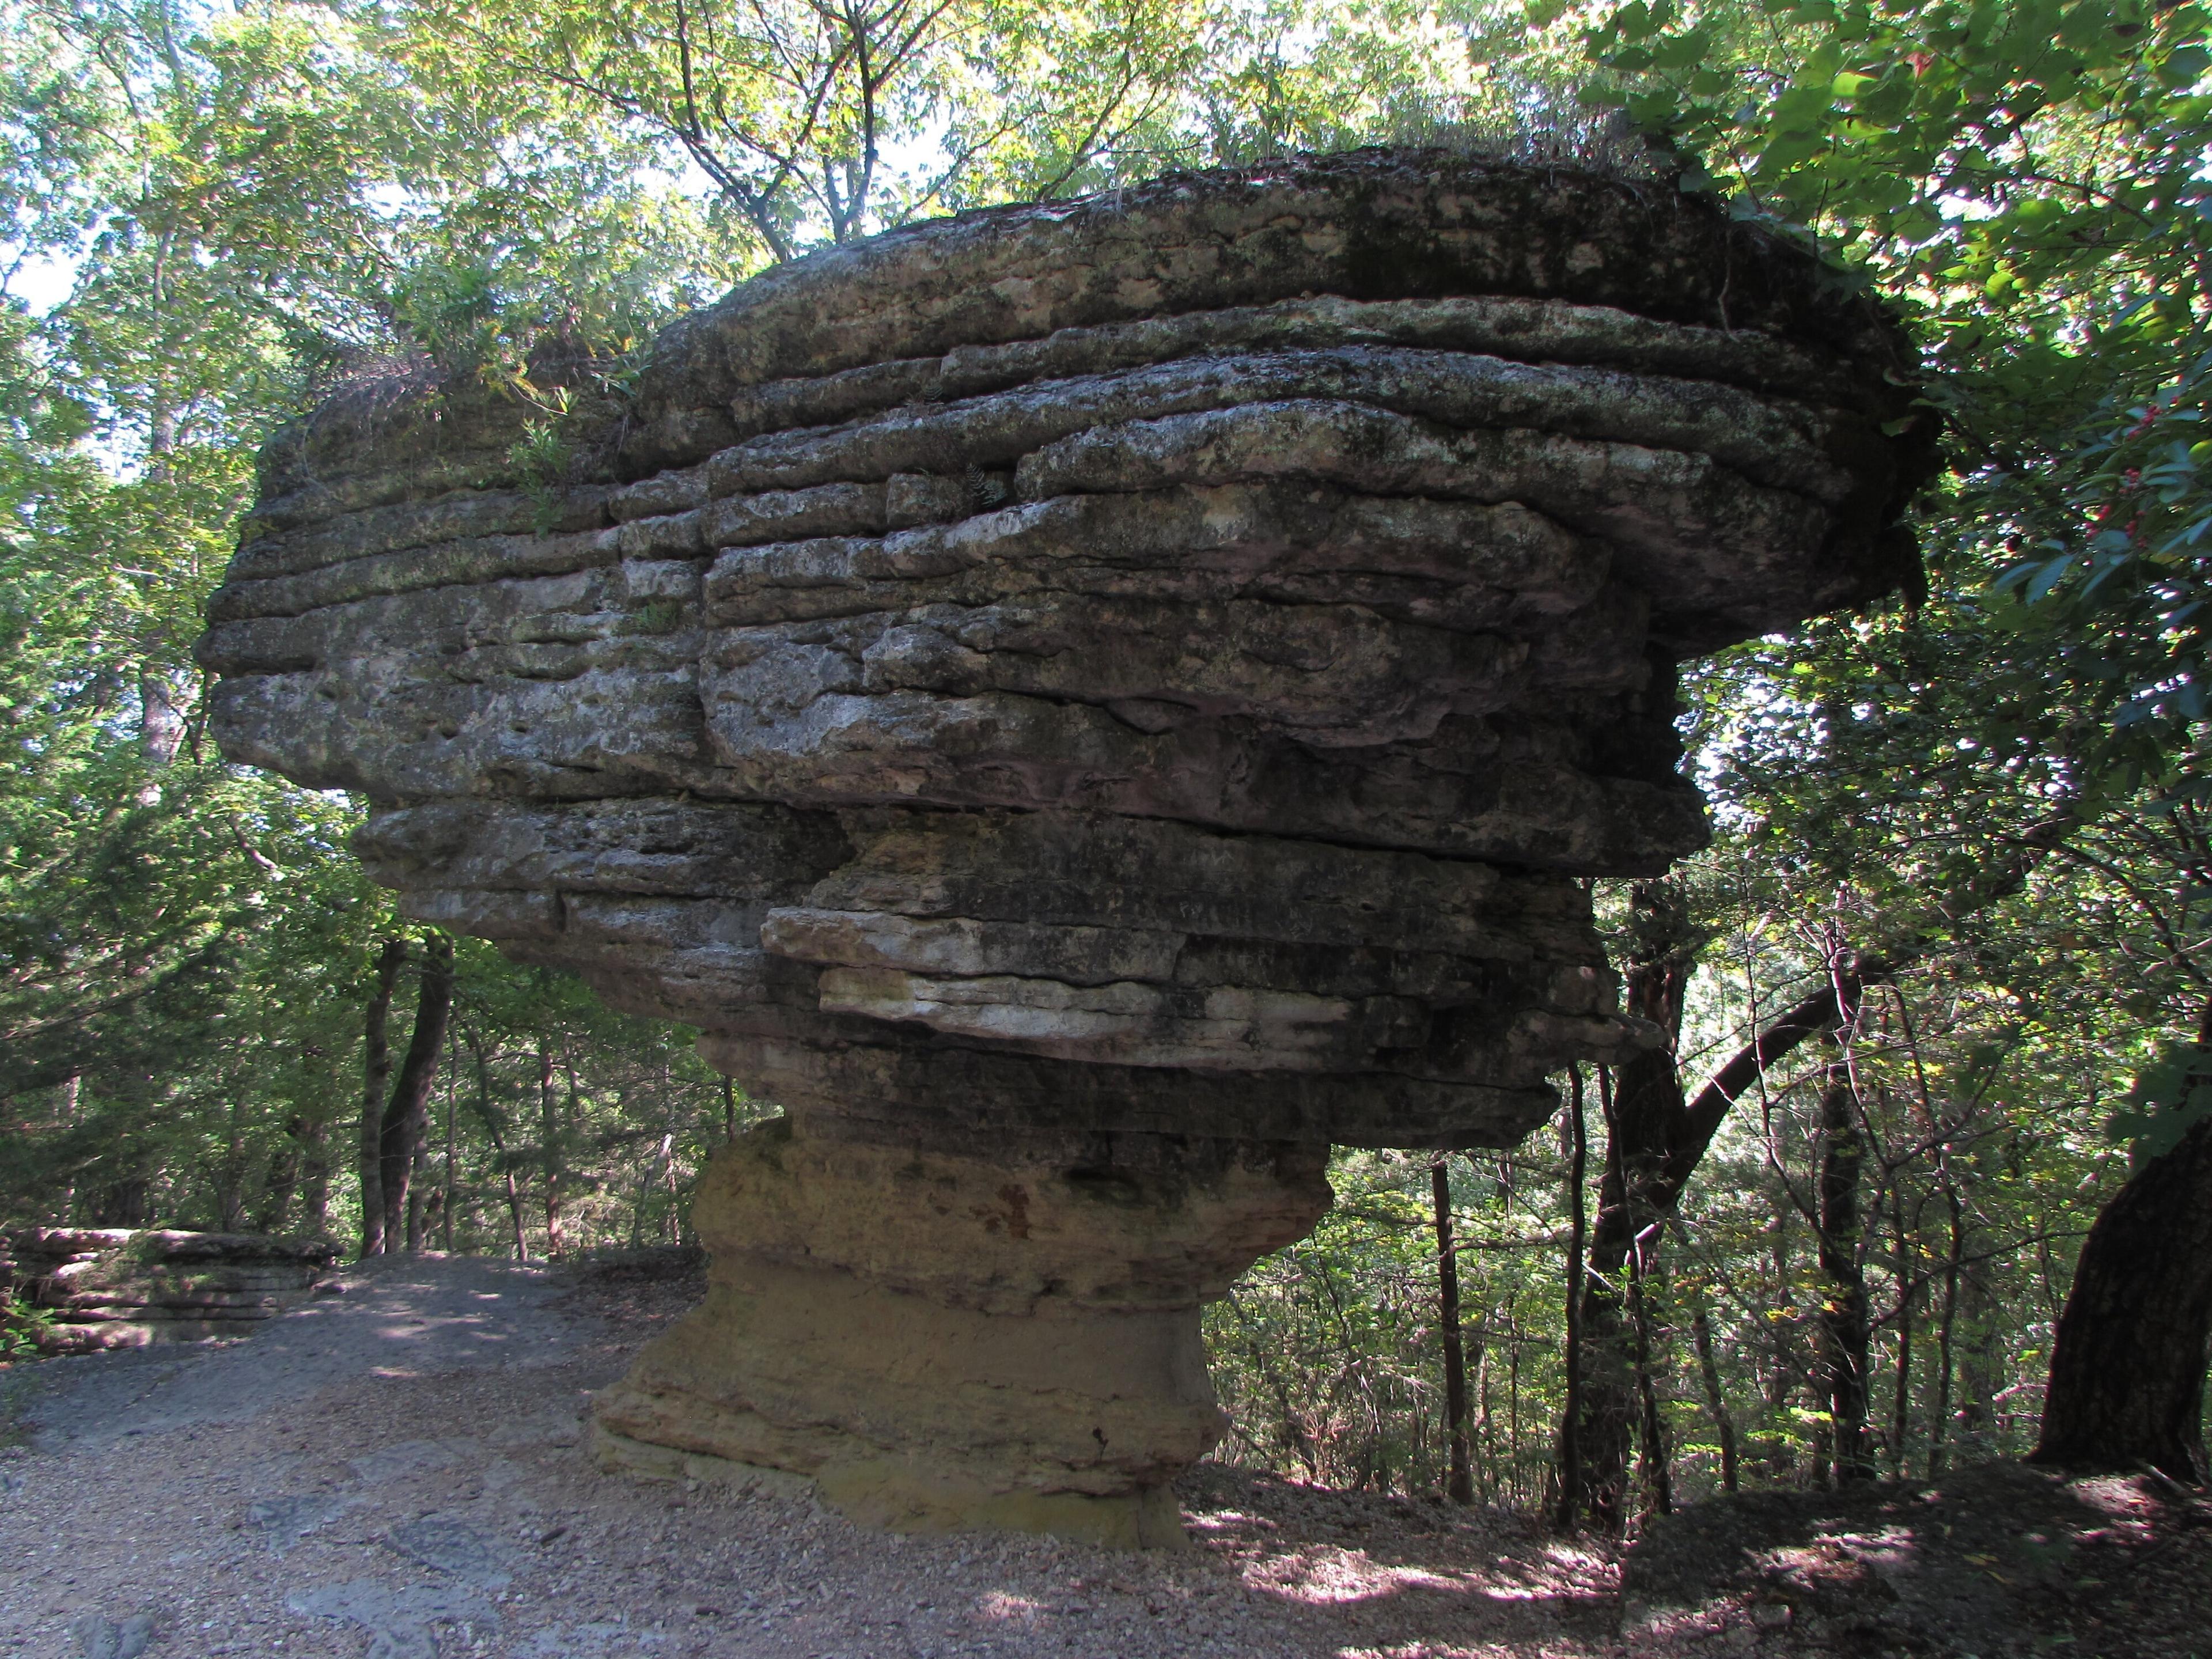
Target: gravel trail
398 1471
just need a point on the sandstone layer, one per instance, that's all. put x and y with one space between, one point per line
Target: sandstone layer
122 1287
923 1332
1130 686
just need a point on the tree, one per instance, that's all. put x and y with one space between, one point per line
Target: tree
1460 1484
2032 178
799 112
376 1060
2127 1372
404 1117
246 205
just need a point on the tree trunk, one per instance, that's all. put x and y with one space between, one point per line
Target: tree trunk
1569 1510
549 1129
445 1197
124 1203
283 1182
2127 1370
314 1174
1645 1118
490 1117
1981 1360
1460 1486
1709 1372
1900 1415
514 1217
406 1114
160 722
668 1182
70 1090
1946 1325
430 1200
1662 1137
415 1207
1658 1479
1843 1323
377 1066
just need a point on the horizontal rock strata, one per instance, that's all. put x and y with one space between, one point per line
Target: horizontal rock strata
1151 673
121 1287
1038 649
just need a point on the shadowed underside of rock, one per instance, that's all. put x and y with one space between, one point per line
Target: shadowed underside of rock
1083 705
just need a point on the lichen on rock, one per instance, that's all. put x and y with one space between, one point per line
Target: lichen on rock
1076 689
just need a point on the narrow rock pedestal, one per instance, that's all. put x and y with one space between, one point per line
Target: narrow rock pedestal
943 1338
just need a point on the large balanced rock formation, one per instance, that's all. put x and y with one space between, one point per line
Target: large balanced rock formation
1083 705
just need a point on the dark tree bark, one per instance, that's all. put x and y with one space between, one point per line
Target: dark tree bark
1709 1372
426 1206
549 1147
1663 1135
2127 1371
1569 1509
1460 1486
377 1073
1946 1325
1658 1478
1982 1372
415 1205
124 1203
406 1114
1900 1414
490 1116
1843 1336
446 1193
1644 1117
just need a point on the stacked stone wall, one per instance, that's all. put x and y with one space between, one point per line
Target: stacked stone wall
121 1287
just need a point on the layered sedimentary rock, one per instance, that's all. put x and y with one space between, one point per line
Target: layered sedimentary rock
1083 705
122 1287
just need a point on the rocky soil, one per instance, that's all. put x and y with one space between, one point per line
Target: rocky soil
396 1470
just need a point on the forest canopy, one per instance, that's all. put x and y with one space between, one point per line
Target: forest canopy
1937 988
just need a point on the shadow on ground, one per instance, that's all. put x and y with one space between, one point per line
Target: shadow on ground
1993 1561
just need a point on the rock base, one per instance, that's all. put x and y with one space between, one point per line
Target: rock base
915 1500
941 1338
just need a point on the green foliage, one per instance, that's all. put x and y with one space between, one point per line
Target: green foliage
253 203
2028 180
1328 1356
22 1327
2169 1098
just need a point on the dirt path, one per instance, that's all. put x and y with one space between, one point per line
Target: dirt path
397 1471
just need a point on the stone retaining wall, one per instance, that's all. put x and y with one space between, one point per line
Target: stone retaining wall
123 1287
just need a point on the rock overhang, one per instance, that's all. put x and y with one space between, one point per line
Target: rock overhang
1159 662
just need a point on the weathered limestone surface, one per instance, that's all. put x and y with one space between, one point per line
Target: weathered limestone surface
122 1287
1093 701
